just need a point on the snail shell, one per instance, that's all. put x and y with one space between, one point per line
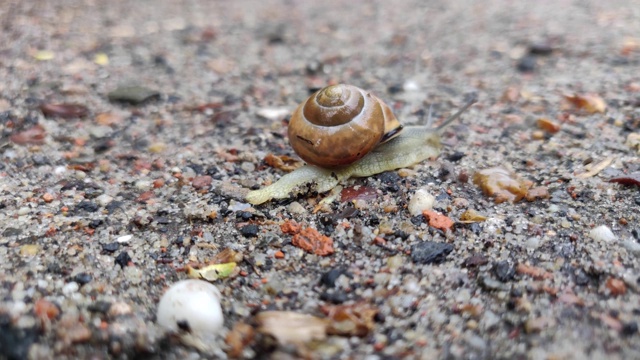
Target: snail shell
339 125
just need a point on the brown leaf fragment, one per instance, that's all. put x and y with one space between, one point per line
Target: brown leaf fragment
312 241
282 162
32 136
548 125
351 320
289 327
502 184
437 220
534 272
538 192
227 255
630 179
590 103
238 338
616 287
471 216
64 111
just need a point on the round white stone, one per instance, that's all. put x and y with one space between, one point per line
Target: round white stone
420 201
194 304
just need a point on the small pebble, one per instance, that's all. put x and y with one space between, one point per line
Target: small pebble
602 233
420 201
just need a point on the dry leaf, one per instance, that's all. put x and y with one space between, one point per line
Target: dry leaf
501 183
212 272
471 216
595 169
590 103
351 320
282 162
289 327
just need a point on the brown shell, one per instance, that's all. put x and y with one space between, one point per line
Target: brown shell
339 125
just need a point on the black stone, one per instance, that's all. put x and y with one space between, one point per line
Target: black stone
329 278
82 278
111 247
428 252
250 230
93 224
504 271
334 297
244 215
456 156
527 64
99 306
112 206
389 177
630 328
15 342
88 206
123 259
11 232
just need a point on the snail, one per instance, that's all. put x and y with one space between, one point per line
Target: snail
342 131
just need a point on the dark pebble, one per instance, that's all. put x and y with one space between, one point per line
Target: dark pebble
542 49
527 64
39 160
11 232
389 177
250 230
456 156
417 220
133 95
630 328
162 220
15 342
395 89
110 247
428 252
636 234
88 206
94 224
92 193
373 221
112 206
637 200
581 278
337 297
244 215
123 259
329 278
99 306
504 271
82 278
475 260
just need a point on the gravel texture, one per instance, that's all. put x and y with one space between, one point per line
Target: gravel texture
176 104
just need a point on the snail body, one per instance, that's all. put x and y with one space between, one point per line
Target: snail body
393 147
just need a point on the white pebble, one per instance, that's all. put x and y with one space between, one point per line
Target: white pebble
104 199
602 233
124 238
194 303
296 208
70 288
420 201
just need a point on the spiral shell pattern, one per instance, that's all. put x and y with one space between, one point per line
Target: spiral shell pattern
340 124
